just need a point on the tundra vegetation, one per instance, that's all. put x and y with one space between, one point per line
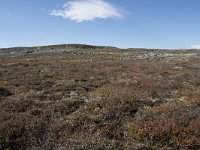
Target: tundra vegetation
87 97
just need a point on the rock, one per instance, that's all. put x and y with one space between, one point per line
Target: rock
73 94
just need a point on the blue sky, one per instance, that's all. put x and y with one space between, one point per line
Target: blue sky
120 23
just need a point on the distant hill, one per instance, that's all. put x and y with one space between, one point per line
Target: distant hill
62 46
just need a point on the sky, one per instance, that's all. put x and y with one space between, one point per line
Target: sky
168 24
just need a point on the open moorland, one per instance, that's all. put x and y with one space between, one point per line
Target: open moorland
81 97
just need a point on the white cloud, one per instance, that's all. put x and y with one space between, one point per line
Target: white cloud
196 46
86 10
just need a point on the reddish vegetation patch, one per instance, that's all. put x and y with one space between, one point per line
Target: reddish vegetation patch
99 102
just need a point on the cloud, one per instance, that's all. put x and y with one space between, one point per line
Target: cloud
86 10
196 46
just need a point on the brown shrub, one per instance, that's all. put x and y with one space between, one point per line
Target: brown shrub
167 125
